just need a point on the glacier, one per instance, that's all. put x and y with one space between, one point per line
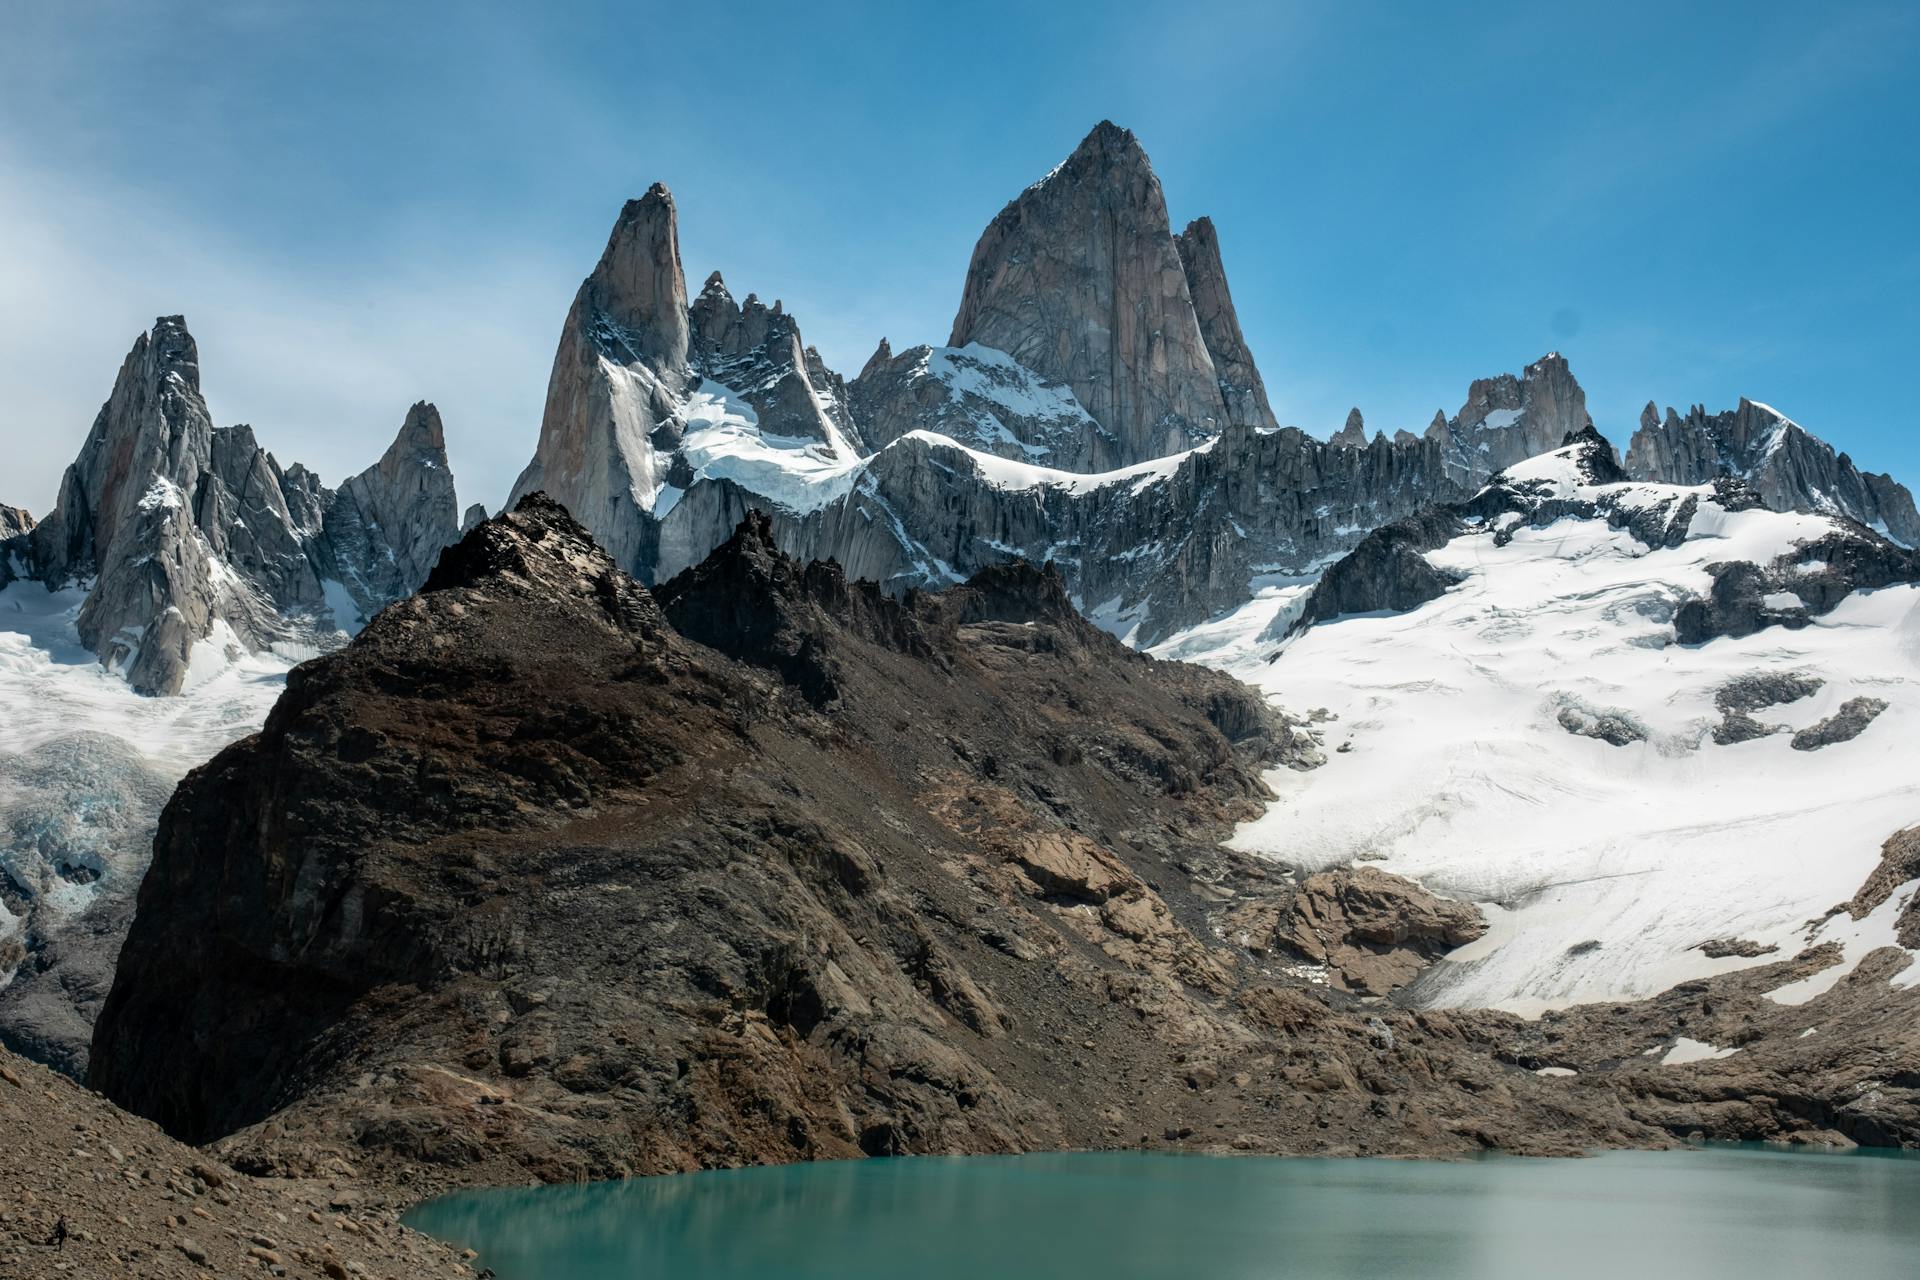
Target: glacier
1601 867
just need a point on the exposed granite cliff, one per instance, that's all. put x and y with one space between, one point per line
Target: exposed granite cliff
1507 419
185 534
1079 279
385 528
617 377
1786 467
940 874
1242 390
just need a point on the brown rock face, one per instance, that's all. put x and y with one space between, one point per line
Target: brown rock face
1080 280
1374 932
1240 385
129 1200
527 881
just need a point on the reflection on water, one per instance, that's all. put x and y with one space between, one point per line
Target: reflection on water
1709 1213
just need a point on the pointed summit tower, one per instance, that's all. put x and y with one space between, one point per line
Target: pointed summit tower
618 374
1080 280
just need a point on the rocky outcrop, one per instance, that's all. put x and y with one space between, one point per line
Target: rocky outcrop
1240 385
1372 932
1353 434
1844 725
1899 868
1785 466
1388 571
1740 697
1507 419
901 871
185 534
1079 279
1796 587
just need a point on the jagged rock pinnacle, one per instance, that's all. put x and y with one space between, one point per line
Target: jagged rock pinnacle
1354 434
1240 385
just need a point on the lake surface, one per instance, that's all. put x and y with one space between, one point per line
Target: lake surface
1714 1212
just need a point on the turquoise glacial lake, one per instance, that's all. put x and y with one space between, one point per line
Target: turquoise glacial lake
1704 1213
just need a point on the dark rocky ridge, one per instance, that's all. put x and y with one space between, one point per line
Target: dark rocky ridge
526 881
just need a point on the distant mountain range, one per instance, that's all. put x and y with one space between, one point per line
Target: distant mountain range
1096 405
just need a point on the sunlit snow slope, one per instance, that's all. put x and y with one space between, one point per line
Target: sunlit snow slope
1450 758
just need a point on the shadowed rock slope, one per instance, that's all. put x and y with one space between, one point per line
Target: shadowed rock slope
530 880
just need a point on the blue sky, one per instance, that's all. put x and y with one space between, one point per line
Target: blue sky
360 206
